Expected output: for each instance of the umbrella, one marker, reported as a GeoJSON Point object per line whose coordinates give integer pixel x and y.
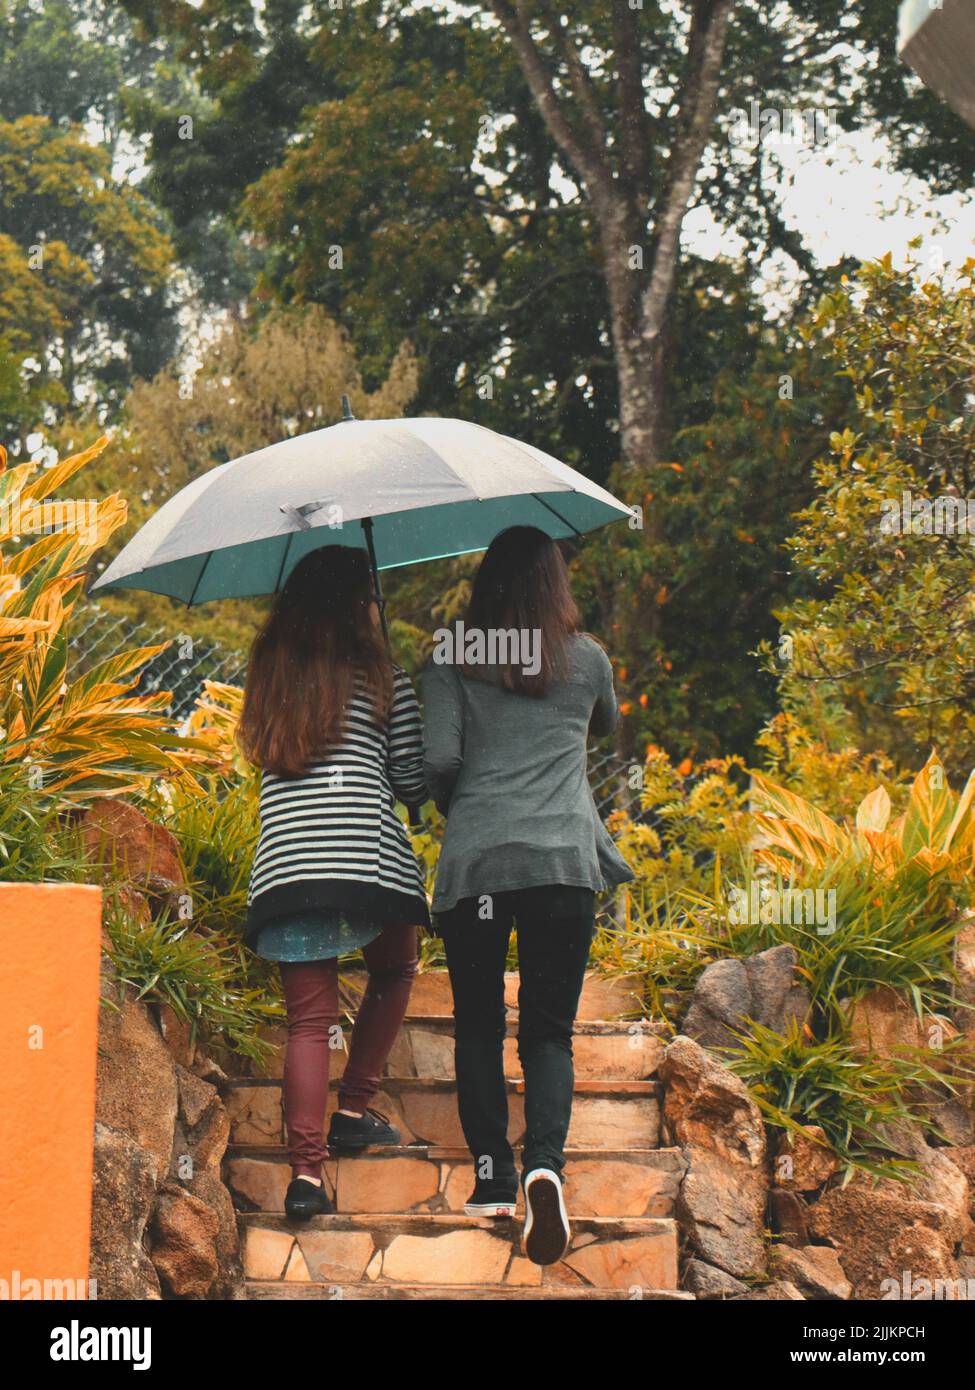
{"type": "Point", "coordinates": [404, 490]}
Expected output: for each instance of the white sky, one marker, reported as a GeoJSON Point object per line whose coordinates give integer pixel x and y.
{"type": "Point", "coordinates": [846, 199]}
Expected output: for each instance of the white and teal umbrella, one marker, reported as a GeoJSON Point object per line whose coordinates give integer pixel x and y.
{"type": "Point", "coordinates": [404, 490]}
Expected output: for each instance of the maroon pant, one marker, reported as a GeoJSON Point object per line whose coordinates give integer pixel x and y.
{"type": "Point", "coordinates": [311, 994]}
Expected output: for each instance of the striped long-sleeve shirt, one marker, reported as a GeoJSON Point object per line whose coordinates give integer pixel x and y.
{"type": "Point", "coordinates": [331, 838]}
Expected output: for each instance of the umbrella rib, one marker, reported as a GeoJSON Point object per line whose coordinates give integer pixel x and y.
{"type": "Point", "coordinates": [284, 561]}
{"type": "Point", "coordinates": [199, 578]}
{"type": "Point", "coordinates": [564, 520]}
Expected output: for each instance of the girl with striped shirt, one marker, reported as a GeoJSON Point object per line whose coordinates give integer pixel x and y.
{"type": "Point", "coordinates": [335, 728]}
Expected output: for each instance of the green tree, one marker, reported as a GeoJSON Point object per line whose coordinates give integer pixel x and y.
{"type": "Point", "coordinates": [882, 653]}
{"type": "Point", "coordinates": [83, 271]}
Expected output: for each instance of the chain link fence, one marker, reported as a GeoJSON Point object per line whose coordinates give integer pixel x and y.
{"type": "Point", "coordinates": [182, 668]}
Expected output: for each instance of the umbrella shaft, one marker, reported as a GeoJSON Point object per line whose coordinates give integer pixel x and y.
{"type": "Point", "coordinates": [377, 582]}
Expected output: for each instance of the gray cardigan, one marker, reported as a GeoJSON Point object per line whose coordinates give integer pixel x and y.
{"type": "Point", "coordinates": [509, 772]}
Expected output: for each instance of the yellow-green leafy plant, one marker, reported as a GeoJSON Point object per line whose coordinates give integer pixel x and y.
{"type": "Point", "coordinates": [935, 835]}
{"type": "Point", "coordinates": [72, 738]}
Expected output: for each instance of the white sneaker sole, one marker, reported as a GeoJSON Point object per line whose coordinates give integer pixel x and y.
{"type": "Point", "coordinates": [504, 1210]}
{"type": "Point", "coordinates": [546, 1234]}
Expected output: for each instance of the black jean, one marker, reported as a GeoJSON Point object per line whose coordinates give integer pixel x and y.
{"type": "Point", "coordinates": [555, 929]}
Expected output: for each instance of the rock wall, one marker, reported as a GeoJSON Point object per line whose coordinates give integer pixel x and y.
{"type": "Point", "coordinates": [163, 1224]}
{"type": "Point", "coordinates": [774, 1221]}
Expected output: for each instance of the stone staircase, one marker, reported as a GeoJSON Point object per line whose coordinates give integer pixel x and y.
{"type": "Point", "coordinates": [400, 1231]}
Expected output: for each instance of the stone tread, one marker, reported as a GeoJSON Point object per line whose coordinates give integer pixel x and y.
{"type": "Point", "coordinates": [583, 1027]}
{"type": "Point", "coordinates": [415, 1225]}
{"type": "Point", "coordinates": [587, 1086]}
{"type": "Point", "coordinates": [391, 1293]}
{"type": "Point", "coordinates": [665, 1157]}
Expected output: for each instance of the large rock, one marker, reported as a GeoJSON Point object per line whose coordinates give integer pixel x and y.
{"type": "Point", "coordinates": [123, 1193]}
{"type": "Point", "coordinates": [780, 1291]}
{"type": "Point", "coordinates": [707, 1282]}
{"type": "Point", "coordinates": [814, 1269]}
{"type": "Point", "coordinates": [883, 1023]}
{"type": "Point", "coordinates": [208, 1188]}
{"type": "Point", "coordinates": [787, 1212]}
{"type": "Point", "coordinates": [965, 967]}
{"type": "Point", "coordinates": [939, 1181]}
{"type": "Point", "coordinates": [731, 991]}
{"type": "Point", "coordinates": [891, 1236]}
{"type": "Point", "coordinates": [136, 1080]}
{"type": "Point", "coordinates": [710, 1114]}
{"type": "Point", "coordinates": [963, 1157]}
{"type": "Point", "coordinates": [117, 836]}
{"type": "Point", "coordinates": [184, 1243]}
{"type": "Point", "coordinates": [804, 1162]}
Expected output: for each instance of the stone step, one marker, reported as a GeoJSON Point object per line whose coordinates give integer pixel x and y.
{"type": "Point", "coordinates": [605, 1114]}
{"type": "Point", "coordinates": [411, 1180]}
{"type": "Point", "coordinates": [393, 1293]}
{"type": "Point", "coordinates": [636, 1254]}
{"type": "Point", "coordinates": [603, 996]}
{"type": "Point", "coordinates": [425, 1048]}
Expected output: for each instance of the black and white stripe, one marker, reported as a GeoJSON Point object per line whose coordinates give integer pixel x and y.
{"type": "Point", "coordinates": [338, 820]}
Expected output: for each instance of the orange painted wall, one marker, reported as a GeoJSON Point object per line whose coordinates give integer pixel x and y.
{"type": "Point", "coordinates": [50, 945]}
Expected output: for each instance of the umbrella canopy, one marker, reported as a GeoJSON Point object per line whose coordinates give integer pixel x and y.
{"type": "Point", "coordinates": [405, 490]}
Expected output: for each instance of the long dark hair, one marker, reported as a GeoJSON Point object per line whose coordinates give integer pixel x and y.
{"type": "Point", "coordinates": [305, 663]}
{"type": "Point", "coordinates": [523, 583]}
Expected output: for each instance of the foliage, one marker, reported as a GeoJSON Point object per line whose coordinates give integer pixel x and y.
{"type": "Point", "coordinates": [691, 818]}
{"type": "Point", "coordinates": [881, 656]}
{"type": "Point", "coordinates": [796, 1081]}
{"type": "Point", "coordinates": [197, 974]}
{"type": "Point", "coordinates": [255, 381]}
{"type": "Point", "coordinates": [35, 845]}
{"type": "Point", "coordinates": [83, 270]}
{"type": "Point", "coordinates": [835, 779]}
{"type": "Point", "coordinates": [217, 835]}
{"type": "Point", "coordinates": [934, 836]}
{"type": "Point", "coordinates": [95, 733]}
{"type": "Point", "coordinates": [897, 934]}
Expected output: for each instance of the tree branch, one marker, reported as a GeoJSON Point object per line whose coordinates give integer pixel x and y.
{"type": "Point", "coordinates": [589, 161]}
{"type": "Point", "coordinates": [699, 87]}
{"type": "Point", "coordinates": [634, 126]}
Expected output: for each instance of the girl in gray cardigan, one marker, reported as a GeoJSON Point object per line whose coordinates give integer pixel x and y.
{"type": "Point", "coordinates": [510, 698]}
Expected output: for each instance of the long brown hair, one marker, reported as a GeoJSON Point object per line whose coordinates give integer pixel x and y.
{"type": "Point", "coordinates": [523, 583]}
{"type": "Point", "coordinates": [318, 642]}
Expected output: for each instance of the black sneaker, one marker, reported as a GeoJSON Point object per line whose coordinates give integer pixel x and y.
{"type": "Point", "coordinates": [493, 1197]}
{"type": "Point", "coordinates": [546, 1219]}
{"type": "Point", "coordinates": [350, 1134]}
{"type": "Point", "coordinates": [303, 1200]}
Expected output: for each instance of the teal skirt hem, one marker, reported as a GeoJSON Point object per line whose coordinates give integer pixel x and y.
{"type": "Point", "coordinates": [314, 935]}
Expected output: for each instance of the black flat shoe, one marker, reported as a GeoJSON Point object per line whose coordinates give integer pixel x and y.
{"type": "Point", "coordinates": [303, 1200]}
{"type": "Point", "coordinates": [494, 1197]}
{"type": "Point", "coordinates": [350, 1134]}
